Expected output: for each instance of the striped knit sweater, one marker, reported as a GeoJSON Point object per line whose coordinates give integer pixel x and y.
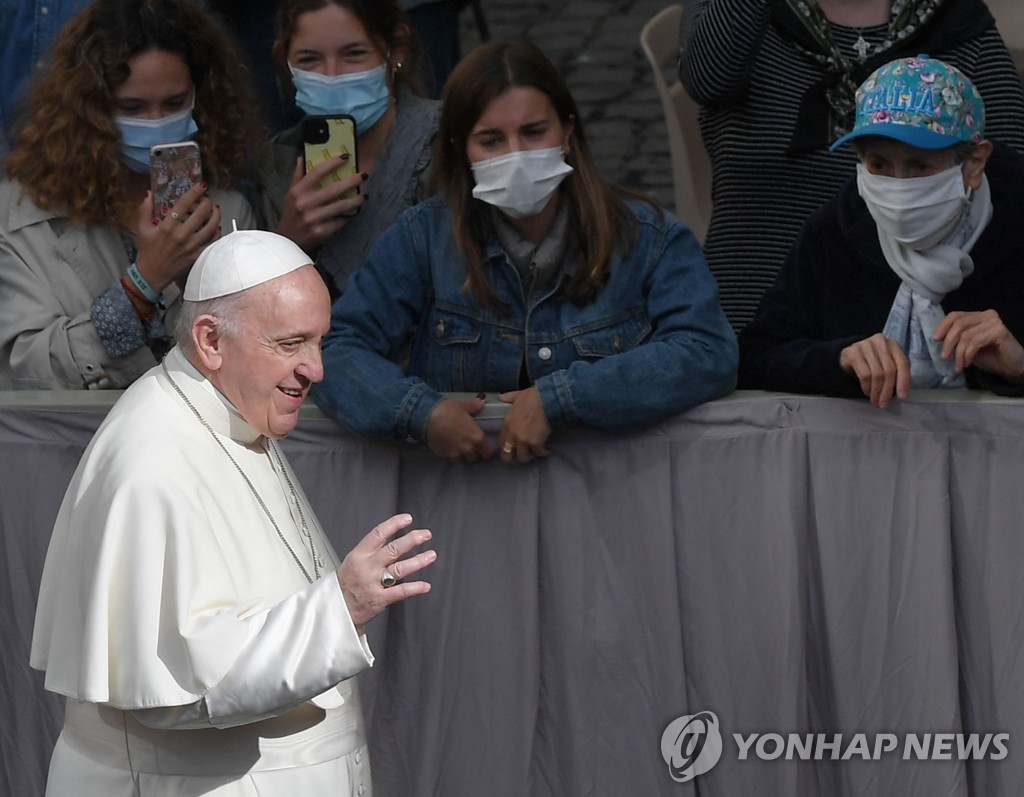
{"type": "Point", "coordinates": [749, 81]}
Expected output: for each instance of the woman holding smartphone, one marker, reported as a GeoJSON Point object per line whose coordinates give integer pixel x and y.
{"type": "Point", "coordinates": [351, 57]}
{"type": "Point", "coordinates": [575, 300]}
{"type": "Point", "coordinates": [88, 272]}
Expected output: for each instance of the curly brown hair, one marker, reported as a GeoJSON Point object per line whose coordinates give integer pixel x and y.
{"type": "Point", "coordinates": [68, 151]}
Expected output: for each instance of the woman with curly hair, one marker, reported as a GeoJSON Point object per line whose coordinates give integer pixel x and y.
{"type": "Point", "coordinates": [355, 57]}
{"type": "Point", "coordinates": [575, 300]}
{"type": "Point", "coordinates": [88, 275]}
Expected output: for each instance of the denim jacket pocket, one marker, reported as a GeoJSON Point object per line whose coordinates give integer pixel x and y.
{"type": "Point", "coordinates": [448, 327]}
{"type": "Point", "coordinates": [613, 335]}
{"type": "Point", "coordinates": [452, 341]}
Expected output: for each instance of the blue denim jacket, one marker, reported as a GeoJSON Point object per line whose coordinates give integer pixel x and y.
{"type": "Point", "coordinates": [652, 343]}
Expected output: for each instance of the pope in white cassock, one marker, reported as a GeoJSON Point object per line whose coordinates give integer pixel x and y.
{"type": "Point", "coordinates": [192, 610]}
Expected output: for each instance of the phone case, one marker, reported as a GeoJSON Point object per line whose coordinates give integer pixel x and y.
{"type": "Point", "coordinates": [173, 170]}
{"type": "Point", "coordinates": [326, 137]}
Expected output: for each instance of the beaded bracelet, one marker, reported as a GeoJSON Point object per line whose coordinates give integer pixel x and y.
{"type": "Point", "coordinates": [140, 282]}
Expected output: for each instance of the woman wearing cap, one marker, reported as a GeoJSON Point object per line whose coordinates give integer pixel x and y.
{"type": "Point", "coordinates": [86, 273]}
{"type": "Point", "coordinates": [913, 275]}
{"type": "Point", "coordinates": [776, 82]}
{"type": "Point", "coordinates": [531, 277]}
{"type": "Point", "coordinates": [355, 57]}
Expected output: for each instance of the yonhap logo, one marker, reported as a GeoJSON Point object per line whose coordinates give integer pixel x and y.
{"type": "Point", "coordinates": [691, 745]}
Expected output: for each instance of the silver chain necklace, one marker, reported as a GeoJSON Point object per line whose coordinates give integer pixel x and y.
{"type": "Point", "coordinates": [317, 561]}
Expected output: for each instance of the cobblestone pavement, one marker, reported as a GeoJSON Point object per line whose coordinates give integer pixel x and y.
{"type": "Point", "coordinates": [596, 46]}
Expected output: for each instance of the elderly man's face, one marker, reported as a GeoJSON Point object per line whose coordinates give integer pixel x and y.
{"type": "Point", "coordinates": [267, 370]}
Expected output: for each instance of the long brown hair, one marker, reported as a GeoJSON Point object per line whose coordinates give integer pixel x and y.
{"type": "Point", "coordinates": [599, 219]}
{"type": "Point", "coordinates": [68, 152]}
{"type": "Point", "coordinates": [386, 24]}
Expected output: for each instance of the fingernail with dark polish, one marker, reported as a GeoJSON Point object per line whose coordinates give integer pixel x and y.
{"type": "Point", "coordinates": [481, 395]}
{"type": "Point", "coordinates": [156, 222]}
{"type": "Point", "coordinates": [365, 176]}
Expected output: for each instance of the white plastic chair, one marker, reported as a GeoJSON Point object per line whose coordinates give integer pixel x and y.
{"type": "Point", "coordinates": [691, 168]}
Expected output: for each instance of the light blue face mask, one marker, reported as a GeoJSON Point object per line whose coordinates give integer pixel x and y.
{"type": "Point", "coordinates": [138, 135]}
{"type": "Point", "coordinates": [362, 95]}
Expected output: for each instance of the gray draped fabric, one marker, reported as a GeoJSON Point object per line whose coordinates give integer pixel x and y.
{"type": "Point", "coordinates": [793, 564]}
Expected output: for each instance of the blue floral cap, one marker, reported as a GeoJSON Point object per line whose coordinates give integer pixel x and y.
{"type": "Point", "coordinates": [920, 101]}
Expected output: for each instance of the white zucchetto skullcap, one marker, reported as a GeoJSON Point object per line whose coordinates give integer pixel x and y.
{"type": "Point", "coordinates": [240, 260]}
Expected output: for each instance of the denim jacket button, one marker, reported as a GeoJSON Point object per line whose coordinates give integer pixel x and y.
{"type": "Point", "coordinates": [544, 353]}
{"type": "Point", "coordinates": [439, 329]}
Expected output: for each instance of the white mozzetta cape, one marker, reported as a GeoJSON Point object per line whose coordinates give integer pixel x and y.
{"type": "Point", "coordinates": [165, 584]}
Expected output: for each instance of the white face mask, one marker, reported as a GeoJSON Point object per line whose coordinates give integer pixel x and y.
{"type": "Point", "coordinates": [520, 183]}
{"type": "Point", "coordinates": [918, 212]}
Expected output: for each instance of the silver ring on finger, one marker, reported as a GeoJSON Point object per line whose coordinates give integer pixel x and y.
{"type": "Point", "coordinates": [387, 578]}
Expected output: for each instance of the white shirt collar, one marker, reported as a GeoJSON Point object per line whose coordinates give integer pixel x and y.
{"type": "Point", "coordinates": [213, 405]}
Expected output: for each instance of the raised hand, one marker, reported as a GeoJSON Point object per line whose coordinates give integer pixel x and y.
{"type": "Point", "coordinates": [312, 214]}
{"type": "Point", "coordinates": [361, 575]}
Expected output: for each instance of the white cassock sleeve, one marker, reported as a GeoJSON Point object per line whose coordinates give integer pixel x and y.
{"type": "Point", "coordinates": [294, 649]}
{"type": "Point", "coordinates": [168, 593]}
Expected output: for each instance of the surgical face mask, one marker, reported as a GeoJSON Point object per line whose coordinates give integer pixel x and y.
{"type": "Point", "coordinates": [918, 212]}
{"type": "Point", "coordinates": [362, 95]}
{"type": "Point", "coordinates": [520, 183]}
{"type": "Point", "coordinates": [138, 135]}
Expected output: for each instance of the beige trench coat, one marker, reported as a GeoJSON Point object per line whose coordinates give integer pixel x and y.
{"type": "Point", "coordinates": [51, 271]}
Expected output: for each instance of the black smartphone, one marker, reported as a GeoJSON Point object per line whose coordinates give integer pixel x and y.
{"type": "Point", "coordinates": [325, 137]}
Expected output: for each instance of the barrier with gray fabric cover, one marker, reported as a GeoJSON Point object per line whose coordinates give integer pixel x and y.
{"type": "Point", "coordinates": [793, 564]}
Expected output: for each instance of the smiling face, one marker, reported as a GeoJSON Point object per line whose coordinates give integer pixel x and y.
{"type": "Point", "coordinates": [268, 365]}
{"type": "Point", "coordinates": [332, 41]}
{"type": "Point", "coordinates": [159, 84]}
